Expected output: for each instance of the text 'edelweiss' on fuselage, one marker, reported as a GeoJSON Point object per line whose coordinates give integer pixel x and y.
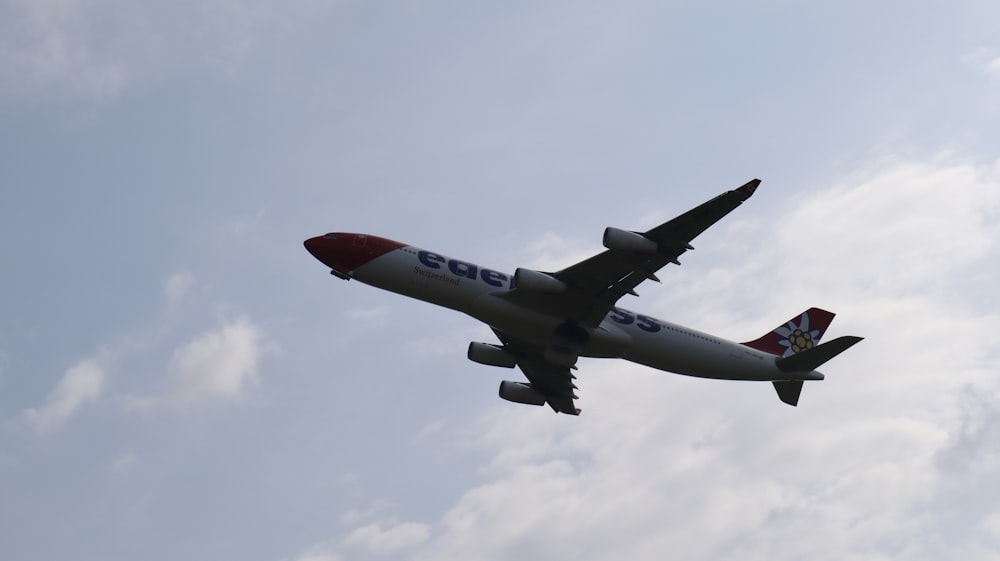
{"type": "Point", "coordinates": [545, 321]}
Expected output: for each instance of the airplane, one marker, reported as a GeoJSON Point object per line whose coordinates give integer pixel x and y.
{"type": "Point", "coordinates": [545, 321]}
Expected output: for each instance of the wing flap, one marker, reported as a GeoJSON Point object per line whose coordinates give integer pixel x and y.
{"type": "Point", "coordinates": [554, 381]}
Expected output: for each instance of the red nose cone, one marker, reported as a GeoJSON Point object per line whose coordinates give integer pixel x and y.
{"type": "Point", "coordinates": [344, 252]}
{"type": "Point", "coordinates": [317, 247]}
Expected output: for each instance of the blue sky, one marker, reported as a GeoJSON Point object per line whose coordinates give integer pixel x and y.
{"type": "Point", "coordinates": [180, 379]}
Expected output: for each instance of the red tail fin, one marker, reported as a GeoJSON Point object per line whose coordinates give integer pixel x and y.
{"type": "Point", "coordinates": [798, 334]}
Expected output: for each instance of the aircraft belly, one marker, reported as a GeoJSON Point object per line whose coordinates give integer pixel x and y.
{"type": "Point", "coordinates": [516, 321]}
{"type": "Point", "coordinates": [607, 341]}
{"type": "Point", "coordinates": [694, 354]}
{"type": "Point", "coordinates": [635, 338]}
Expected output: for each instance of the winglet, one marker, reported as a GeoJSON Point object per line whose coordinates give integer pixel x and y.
{"type": "Point", "coordinates": [748, 188]}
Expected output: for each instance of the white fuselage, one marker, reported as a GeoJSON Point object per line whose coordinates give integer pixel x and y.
{"type": "Point", "coordinates": [479, 291]}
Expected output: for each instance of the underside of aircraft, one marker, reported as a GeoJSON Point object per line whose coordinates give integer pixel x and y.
{"type": "Point", "coordinates": [546, 321]}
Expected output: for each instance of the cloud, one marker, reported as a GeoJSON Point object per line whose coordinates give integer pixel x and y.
{"type": "Point", "coordinates": [176, 287]}
{"type": "Point", "coordinates": [974, 445]}
{"type": "Point", "coordinates": [908, 224]}
{"type": "Point", "coordinates": [318, 552]}
{"type": "Point", "coordinates": [82, 383]}
{"type": "Point", "coordinates": [124, 462]}
{"type": "Point", "coordinates": [993, 67]}
{"type": "Point", "coordinates": [379, 539]}
{"type": "Point", "coordinates": [218, 363]}
{"type": "Point", "coordinates": [48, 44]}
{"type": "Point", "coordinates": [385, 540]}
{"type": "Point", "coordinates": [985, 60]}
{"type": "Point", "coordinates": [355, 516]}
{"type": "Point", "coordinates": [551, 251]}
{"type": "Point", "coordinates": [94, 50]}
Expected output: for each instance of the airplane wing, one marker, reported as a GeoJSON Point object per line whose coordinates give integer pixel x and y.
{"type": "Point", "coordinates": [592, 287]}
{"type": "Point", "coordinates": [554, 381]}
{"type": "Point", "coordinates": [595, 284]}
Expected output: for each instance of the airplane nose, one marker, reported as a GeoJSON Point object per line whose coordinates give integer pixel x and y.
{"type": "Point", "coordinates": [330, 251]}
{"type": "Point", "coordinates": [323, 249]}
{"type": "Point", "coordinates": [345, 252]}
{"type": "Point", "coordinates": [313, 246]}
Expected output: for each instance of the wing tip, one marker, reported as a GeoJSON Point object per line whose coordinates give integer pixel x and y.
{"type": "Point", "coordinates": [748, 188]}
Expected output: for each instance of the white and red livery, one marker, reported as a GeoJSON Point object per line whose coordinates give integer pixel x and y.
{"type": "Point", "coordinates": [545, 321]}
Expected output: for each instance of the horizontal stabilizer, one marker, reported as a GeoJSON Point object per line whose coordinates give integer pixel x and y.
{"type": "Point", "coordinates": [789, 391]}
{"type": "Point", "coordinates": [811, 359]}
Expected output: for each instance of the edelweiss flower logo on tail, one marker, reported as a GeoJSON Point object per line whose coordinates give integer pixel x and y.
{"type": "Point", "coordinates": [797, 338]}
{"type": "Point", "coordinates": [798, 334]}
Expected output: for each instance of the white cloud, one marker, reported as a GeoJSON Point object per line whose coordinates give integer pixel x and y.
{"type": "Point", "coordinates": [908, 223]}
{"type": "Point", "coordinates": [551, 251]}
{"type": "Point", "coordinates": [380, 538]}
{"type": "Point", "coordinates": [355, 516]}
{"type": "Point", "coordinates": [993, 67]}
{"type": "Point", "coordinates": [82, 383]}
{"type": "Point", "coordinates": [47, 44]}
{"type": "Point", "coordinates": [79, 49]}
{"type": "Point", "coordinates": [389, 539]}
{"type": "Point", "coordinates": [318, 552]}
{"type": "Point", "coordinates": [124, 463]}
{"type": "Point", "coordinates": [176, 287]}
{"type": "Point", "coordinates": [219, 363]}
{"type": "Point", "coordinates": [991, 525]}
{"type": "Point", "coordinates": [983, 59]}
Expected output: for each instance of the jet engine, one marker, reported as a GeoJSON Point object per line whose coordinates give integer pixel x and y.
{"type": "Point", "coordinates": [623, 240]}
{"type": "Point", "coordinates": [491, 355]}
{"type": "Point", "coordinates": [535, 281]}
{"type": "Point", "coordinates": [519, 392]}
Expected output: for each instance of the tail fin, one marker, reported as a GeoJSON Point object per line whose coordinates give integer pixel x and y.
{"type": "Point", "coordinates": [796, 343]}
{"type": "Point", "coordinates": [798, 334]}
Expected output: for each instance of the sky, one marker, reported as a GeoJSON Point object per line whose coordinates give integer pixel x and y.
{"type": "Point", "coordinates": [179, 379]}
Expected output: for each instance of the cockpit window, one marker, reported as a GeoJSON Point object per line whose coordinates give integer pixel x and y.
{"type": "Point", "coordinates": [332, 236]}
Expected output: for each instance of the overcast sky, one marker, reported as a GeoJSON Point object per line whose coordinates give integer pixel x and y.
{"type": "Point", "coordinates": [179, 379]}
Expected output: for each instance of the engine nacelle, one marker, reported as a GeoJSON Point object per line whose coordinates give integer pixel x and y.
{"type": "Point", "coordinates": [491, 355]}
{"type": "Point", "coordinates": [519, 392]}
{"type": "Point", "coordinates": [535, 281]}
{"type": "Point", "coordinates": [623, 240]}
